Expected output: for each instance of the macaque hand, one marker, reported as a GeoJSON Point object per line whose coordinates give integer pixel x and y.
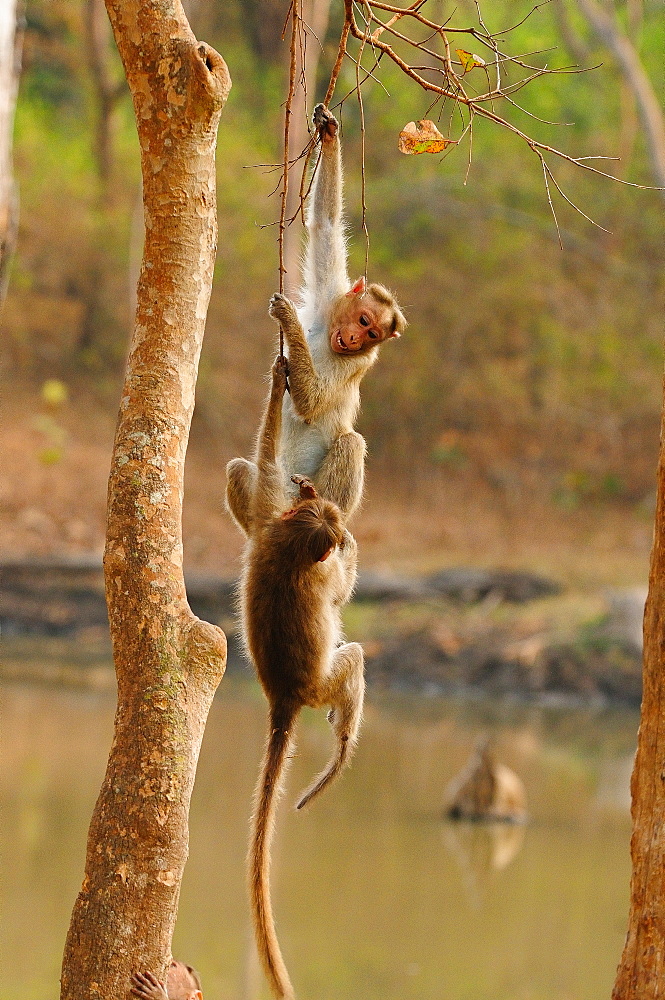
{"type": "Point", "coordinates": [147, 987]}
{"type": "Point", "coordinates": [282, 309]}
{"type": "Point", "coordinates": [325, 123]}
{"type": "Point", "coordinates": [307, 487]}
{"type": "Point", "coordinates": [280, 373]}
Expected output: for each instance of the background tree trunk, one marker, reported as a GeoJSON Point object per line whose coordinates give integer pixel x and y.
{"type": "Point", "coordinates": [11, 36]}
{"type": "Point", "coordinates": [641, 972]}
{"type": "Point", "coordinates": [316, 14]}
{"type": "Point", "coordinates": [108, 91]}
{"type": "Point", "coordinates": [168, 662]}
{"type": "Point", "coordinates": [605, 27]}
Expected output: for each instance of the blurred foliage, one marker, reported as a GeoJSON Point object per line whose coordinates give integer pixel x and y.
{"type": "Point", "coordinates": [523, 363]}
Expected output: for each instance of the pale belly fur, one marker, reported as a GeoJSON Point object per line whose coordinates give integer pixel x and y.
{"type": "Point", "coordinates": [303, 447]}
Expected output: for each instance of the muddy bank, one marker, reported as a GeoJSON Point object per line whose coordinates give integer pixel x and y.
{"type": "Point", "coordinates": [500, 666]}
{"type": "Point", "coordinates": [461, 631]}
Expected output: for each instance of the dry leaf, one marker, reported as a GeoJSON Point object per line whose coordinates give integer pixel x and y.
{"type": "Point", "coordinates": [422, 137]}
{"type": "Point", "coordinates": [469, 60]}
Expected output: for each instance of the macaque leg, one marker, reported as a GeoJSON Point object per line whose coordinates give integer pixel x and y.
{"type": "Point", "coordinates": [240, 486]}
{"type": "Point", "coordinates": [344, 691]}
{"type": "Point", "coordinates": [342, 472]}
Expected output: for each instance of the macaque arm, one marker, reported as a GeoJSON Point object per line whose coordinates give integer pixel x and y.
{"type": "Point", "coordinates": [269, 497]}
{"type": "Point", "coordinates": [304, 382]}
{"type": "Point", "coordinates": [325, 260]}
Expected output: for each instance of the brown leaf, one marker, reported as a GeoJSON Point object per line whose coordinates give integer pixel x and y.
{"type": "Point", "coordinates": [422, 137]}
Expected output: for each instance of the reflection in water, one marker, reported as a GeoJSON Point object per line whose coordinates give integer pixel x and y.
{"type": "Point", "coordinates": [481, 849]}
{"type": "Point", "coordinates": [376, 897]}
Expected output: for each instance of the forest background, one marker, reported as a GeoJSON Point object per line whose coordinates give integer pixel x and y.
{"type": "Point", "coordinates": [514, 424]}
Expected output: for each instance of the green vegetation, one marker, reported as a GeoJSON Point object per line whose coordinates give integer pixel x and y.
{"type": "Point", "coordinates": [525, 367]}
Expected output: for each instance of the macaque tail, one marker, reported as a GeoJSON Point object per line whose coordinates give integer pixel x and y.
{"type": "Point", "coordinates": [263, 821]}
{"type": "Point", "coordinates": [344, 748]}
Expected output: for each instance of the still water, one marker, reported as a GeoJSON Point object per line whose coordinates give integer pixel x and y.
{"type": "Point", "coordinates": [375, 895]}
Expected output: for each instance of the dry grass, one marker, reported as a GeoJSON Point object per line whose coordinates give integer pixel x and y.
{"type": "Point", "coordinates": [409, 523]}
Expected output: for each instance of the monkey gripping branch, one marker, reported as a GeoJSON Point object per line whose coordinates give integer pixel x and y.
{"type": "Point", "coordinates": [168, 662]}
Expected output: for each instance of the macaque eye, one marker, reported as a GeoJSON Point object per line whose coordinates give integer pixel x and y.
{"type": "Point", "coordinates": [373, 335]}
{"type": "Point", "coordinates": [364, 321]}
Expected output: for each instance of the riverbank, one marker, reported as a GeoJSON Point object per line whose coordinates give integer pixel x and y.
{"type": "Point", "coordinates": [462, 631]}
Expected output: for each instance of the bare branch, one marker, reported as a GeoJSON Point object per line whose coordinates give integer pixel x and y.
{"type": "Point", "coordinates": [384, 30]}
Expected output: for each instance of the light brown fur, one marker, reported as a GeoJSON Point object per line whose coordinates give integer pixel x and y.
{"type": "Point", "coordinates": [487, 790]}
{"type": "Point", "coordinates": [299, 569]}
{"type": "Point", "coordinates": [332, 341]}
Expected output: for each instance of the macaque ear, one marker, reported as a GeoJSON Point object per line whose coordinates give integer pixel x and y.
{"type": "Point", "coordinates": [393, 333]}
{"type": "Point", "coordinates": [326, 554]}
{"type": "Point", "coordinates": [357, 289]}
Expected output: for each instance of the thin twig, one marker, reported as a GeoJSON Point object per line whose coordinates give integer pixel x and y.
{"type": "Point", "coordinates": [377, 18]}
{"type": "Point", "coordinates": [285, 165]}
{"type": "Point", "coordinates": [343, 40]}
{"type": "Point", "coordinates": [572, 203]}
{"type": "Point", "coordinates": [363, 188]}
{"type": "Point", "coordinates": [549, 197]}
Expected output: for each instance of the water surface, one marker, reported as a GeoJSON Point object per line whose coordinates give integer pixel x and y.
{"type": "Point", "coordinates": [376, 896]}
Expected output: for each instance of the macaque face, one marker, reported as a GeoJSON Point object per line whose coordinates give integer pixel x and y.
{"type": "Point", "coordinates": [360, 322]}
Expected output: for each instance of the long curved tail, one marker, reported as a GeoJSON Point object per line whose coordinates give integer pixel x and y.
{"type": "Point", "coordinates": [263, 820]}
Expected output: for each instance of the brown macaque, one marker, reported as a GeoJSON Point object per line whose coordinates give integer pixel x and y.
{"type": "Point", "coordinates": [182, 983]}
{"type": "Point", "coordinates": [486, 790]}
{"type": "Point", "coordinates": [332, 340]}
{"type": "Point", "coordinates": [299, 569]}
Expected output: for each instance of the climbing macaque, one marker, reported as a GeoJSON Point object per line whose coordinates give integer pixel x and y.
{"type": "Point", "coordinates": [182, 983]}
{"type": "Point", "coordinates": [299, 569]}
{"type": "Point", "coordinates": [332, 340]}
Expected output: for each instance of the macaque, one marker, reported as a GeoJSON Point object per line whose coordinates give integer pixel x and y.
{"type": "Point", "coordinates": [299, 569]}
{"type": "Point", "coordinates": [182, 983]}
{"type": "Point", "coordinates": [486, 790]}
{"type": "Point", "coordinates": [345, 324]}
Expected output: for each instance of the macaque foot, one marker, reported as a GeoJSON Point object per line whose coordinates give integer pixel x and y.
{"type": "Point", "coordinates": [325, 122]}
{"type": "Point", "coordinates": [307, 487]}
{"type": "Point", "coordinates": [282, 309]}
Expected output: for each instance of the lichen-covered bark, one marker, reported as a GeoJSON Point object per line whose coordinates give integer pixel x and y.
{"type": "Point", "coordinates": [642, 969]}
{"type": "Point", "coordinates": [168, 663]}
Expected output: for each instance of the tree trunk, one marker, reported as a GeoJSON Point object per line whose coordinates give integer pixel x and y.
{"type": "Point", "coordinates": [607, 30]}
{"type": "Point", "coordinates": [168, 662]}
{"type": "Point", "coordinates": [642, 969]}
{"type": "Point", "coordinates": [11, 37]}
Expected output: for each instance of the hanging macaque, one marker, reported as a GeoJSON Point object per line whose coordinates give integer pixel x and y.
{"type": "Point", "coordinates": [299, 569]}
{"type": "Point", "coordinates": [332, 340]}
